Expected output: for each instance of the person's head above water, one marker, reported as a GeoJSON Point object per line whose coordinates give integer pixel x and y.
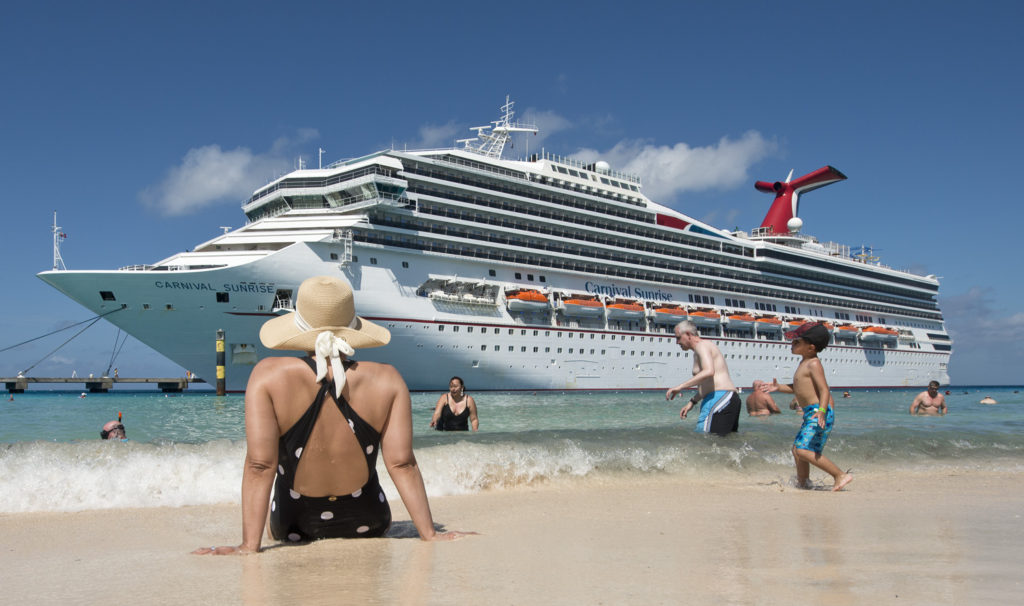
{"type": "Point", "coordinates": [113, 430]}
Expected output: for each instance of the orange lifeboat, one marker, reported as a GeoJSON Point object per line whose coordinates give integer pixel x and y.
{"type": "Point", "coordinates": [668, 313]}
{"type": "Point", "coordinates": [740, 321]}
{"type": "Point", "coordinates": [526, 299]}
{"type": "Point", "coordinates": [625, 309]}
{"type": "Point", "coordinates": [586, 306]}
{"type": "Point", "coordinates": [794, 323]}
{"type": "Point", "coordinates": [847, 332]}
{"type": "Point", "coordinates": [768, 323]}
{"type": "Point", "coordinates": [705, 317]}
{"type": "Point", "coordinates": [878, 334]}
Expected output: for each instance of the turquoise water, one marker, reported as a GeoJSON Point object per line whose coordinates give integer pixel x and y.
{"type": "Point", "coordinates": [188, 448]}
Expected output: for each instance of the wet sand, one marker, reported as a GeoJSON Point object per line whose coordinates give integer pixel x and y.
{"type": "Point", "coordinates": [903, 538]}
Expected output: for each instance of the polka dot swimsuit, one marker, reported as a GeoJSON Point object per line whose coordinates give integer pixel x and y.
{"type": "Point", "coordinates": [295, 517]}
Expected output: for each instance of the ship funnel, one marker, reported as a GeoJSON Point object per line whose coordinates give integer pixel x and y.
{"type": "Point", "coordinates": [787, 195]}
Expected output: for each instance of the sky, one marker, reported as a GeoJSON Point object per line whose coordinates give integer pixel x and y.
{"type": "Point", "coordinates": [145, 126]}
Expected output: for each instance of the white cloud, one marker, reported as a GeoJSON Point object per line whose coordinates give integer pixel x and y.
{"type": "Point", "coordinates": [209, 175]}
{"type": "Point", "coordinates": [435, 136]}
{"type": "Point", "coordinates": [668, 171]}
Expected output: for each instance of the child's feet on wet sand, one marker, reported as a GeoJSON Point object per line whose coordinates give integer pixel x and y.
{"type": "Point", "coordinates": [841, 481]}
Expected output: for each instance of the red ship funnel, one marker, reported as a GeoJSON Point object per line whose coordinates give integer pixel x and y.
{"type": "Point", "coordinates": [787, 196]}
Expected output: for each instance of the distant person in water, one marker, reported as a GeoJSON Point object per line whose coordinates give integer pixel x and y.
{"type": "Point", "coordinates": [455, 411]}
{"type": "Point", "coordinates": [760, 404]}
{"type": "Point", "coordinates": [811, 390]}
{"type": "Point", "coordinates": [846, 394]}
{"type": "Point", "coordinates": [988, 400]}
{"type": "Point", "coordinates": [929, 402]}
{"type": "Point", "coordinates": [720, 405]}
{"type": "Point", "coordinates": [113, 430]}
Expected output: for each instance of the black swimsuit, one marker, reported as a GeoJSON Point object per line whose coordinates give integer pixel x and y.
{"type": "Point", "coordinates": [295, 517]}
{"type": "Point", "coordinates": [449, 421]}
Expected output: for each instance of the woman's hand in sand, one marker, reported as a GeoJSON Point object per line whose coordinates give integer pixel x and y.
{"type": "Point", "coordinates": [223, 550]}
{"type": "Point", "coordinates": [450, 535]}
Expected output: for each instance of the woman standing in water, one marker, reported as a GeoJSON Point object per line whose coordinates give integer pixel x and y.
{"type": "Point", "coordinates": [455, 411]}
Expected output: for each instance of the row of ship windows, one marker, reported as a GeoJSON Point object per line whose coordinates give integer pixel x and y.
{"type": "Point", "coordinates": [788, 260]}
{"type": "Point", "coordinates": [718, 266]}
{"type": "Point", "coordinates": [612, 337]}
{"type": "Point", "coordinates": [610, 270]}
{"type": "Point", "coordinates": [659, 354]}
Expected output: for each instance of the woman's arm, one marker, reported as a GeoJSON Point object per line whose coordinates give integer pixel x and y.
{"type": "Point", "coordinates": [473, 420]}
{"type": "Point", "coordinates": [261, 436]}
{"type": "Point", "coordinates": [437, 410]}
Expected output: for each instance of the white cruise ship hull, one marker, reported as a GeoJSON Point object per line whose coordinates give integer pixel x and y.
{"type": "Point", "coordinates": [174, 312]}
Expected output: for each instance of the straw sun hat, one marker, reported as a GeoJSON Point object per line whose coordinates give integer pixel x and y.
{"type": "Point", "coordinates": [325, 323]}
{"type": "Point", "coordinates": [323, 304]}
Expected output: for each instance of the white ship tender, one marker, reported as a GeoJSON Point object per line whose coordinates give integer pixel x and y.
{"type": "Point", "coordinates": [533, 274]}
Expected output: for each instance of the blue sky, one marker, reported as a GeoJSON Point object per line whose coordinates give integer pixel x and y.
{"type": "Point", "coordinates": [145, 125]}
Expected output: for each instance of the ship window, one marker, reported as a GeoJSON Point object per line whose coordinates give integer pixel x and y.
{"type": "Point", "coordinates": [522, 332]}
{"type": "Point", "coordinates": [483, 329]}
{"type": "Point", "coordinates": [455, 329]}
{"type": "Point", "coordinates": [523, 348]}
{"type": "Point", "coordinates": [355, 259]}
{"type": "Point", "coordinates": [570, 350]}
{"type": "Point", "coordinates": [169, 307]}
{"type": "Point", "coordinates": [440, 327]}
{"type": "Point", "coordinates": [547, 349]}
{"type": "Point", "coordinates": [519, 276]}
{"type": "Point", "coordinates": [145, 306]}
{"type": "Point", "coordinates": [510, 331]}
{"type": "Point", "coordinates": [373, 260]}
{"type": "Point", "coordinates": [106, 295]}
{"type": "Point", "coordinates": [529, 277]}
{"type": "Point", "coordinates": [405, 264]}
{"type": "Point", "coordinates": [510, 348]}
{"type": "Point", "coordinates": [222, 297]}
{"type": "Point", "coordinates": [543, 279]}
{"type": "Point", "coordinates": [559, 350]}
{"type": "Point", "coordinates": [469, 329]}
{"type": "Point", "coordinates": [535, 349]}
{"type": "Point", "coordinates": [491, 272]}
{"type": "Point", "coordinates": [334, 256]}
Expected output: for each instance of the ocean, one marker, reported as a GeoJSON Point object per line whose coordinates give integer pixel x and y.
{"type": "Point", "coordinates": [187, 449]}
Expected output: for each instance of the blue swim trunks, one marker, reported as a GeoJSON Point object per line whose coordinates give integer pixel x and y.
{"type": "Point", "coordinates": [719, 413]}
{"type": "Point", "coordinates": [812, 437]}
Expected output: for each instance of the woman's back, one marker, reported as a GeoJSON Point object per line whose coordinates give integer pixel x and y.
{"type": "Point", "coordinates": [333, 461]}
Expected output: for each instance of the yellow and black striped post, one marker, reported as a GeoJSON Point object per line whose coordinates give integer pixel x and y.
{"type": "Point", "coordinates": [220, 362]}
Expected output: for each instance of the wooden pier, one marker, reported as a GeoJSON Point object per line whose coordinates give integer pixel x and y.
{"type": "Point", "coordinates": [101, 384]}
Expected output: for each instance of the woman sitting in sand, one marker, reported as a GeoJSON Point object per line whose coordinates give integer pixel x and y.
{"type": "Point", "coordinates": [455, 411]}
{"type": "Point", "coordinates": [321, 459]}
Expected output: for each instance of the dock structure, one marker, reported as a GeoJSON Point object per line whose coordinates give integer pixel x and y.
{"type": "Point", "coordinates": [101, 384]}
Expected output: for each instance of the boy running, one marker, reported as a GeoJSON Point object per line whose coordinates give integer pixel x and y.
{"type": "Point", "coordinates": [812, 394]}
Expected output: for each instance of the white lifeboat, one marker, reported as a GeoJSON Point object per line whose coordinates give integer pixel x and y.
{"type": "Point", "coordinates": [768, 323]}
{"type": "Point", "coordinates": [740, 321]}
{"type": "Point", "coordinates": [846, 332]}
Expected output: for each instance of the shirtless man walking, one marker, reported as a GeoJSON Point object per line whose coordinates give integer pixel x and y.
{"type": "Point", "coordinates": [720, 405]}
{"type": "Point", "coordinates": [929, 402]}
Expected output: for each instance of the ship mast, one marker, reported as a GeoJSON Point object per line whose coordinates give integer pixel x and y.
{"type": "Point", "coordinates": [58, 237]}
{"type": "Point", "coordinates": [492, 144]}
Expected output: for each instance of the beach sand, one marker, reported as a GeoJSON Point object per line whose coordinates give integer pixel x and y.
{"type": "Point", "coordinates": [905, 538]}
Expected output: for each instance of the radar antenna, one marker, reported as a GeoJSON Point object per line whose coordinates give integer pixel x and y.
{"type": "Point", "coordinates": [58, 237]}
{"type": "Point", "coordinates": [492, 144]}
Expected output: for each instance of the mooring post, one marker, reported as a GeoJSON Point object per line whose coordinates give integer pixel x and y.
{"type": "Point", "coordinates": [220, 362]}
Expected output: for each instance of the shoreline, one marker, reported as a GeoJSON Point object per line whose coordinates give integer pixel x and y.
{"type": "Point", "coordinates": [935, 537]}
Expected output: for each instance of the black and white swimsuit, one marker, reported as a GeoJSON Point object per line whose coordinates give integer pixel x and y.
{"type": "Point", "coordinates": [295, 517]}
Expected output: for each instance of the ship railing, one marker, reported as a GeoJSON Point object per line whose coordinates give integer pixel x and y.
{"type": "Point", "coordinates": [584, 166]}
{"type": "Point", "coordinates": [136, 268]}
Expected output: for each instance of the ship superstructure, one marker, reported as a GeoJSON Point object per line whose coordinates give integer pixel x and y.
{"type": "Point", "coordinates": [539, 273]}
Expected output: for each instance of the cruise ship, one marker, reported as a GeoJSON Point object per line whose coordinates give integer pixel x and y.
{"type": "Point", "coordinates": [537, 273]}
